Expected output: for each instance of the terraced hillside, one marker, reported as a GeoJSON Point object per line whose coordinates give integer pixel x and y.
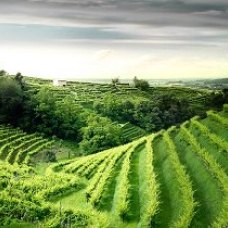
{"type": "Point", "coordinates": [86, 93]}
{"type": "Point", "coordinates": [174, 178]}
{"type": "Point", "coordinates": [132, 132]}
{"type": "Point", "coordinates": [17, 146]}
{"type": "Point", "coordinates": [141, 112]}
{"type": "Point", "coordinates": [25, 199]}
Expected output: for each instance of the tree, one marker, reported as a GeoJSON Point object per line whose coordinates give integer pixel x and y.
{"type": "Point", "coordinates": [99, 134]}
{"type": "Point", "coordinates": [19, 78]}
{"type": "Point", "coordinates": [11, 100]}
{"type": "Point", "coordinates": [45, 105]}
{"type": "Point", "coordinates": [98, 106]}
{"type": "Point", "coordinates": [225, 95]}
{"type": "Point", "coordinates": [112, 107]}
{"type": "Point", "coordinates": [63, 119]}
{"type": "Point", "coordinates": [115, 108]}
{"type": "Point", "coordinates": [115, 81]}
{"type": "Point", "coordinates": [127, 111]}
{"type": "Point", "coordinates": [217, 99]}
{"type": "Point", "coordinates": [148, 116]}
{"type": "Point", "coordinates": [3, 73]}
{"type": "Point", "coordinates": [71, 118]}
{"type": "Point", "coordinates": [141, 84]}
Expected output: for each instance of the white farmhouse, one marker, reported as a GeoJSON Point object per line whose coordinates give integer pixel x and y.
{"type": "Point", "coordinates": [57, 82]}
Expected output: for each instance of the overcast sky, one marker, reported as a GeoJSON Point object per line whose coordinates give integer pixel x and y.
{"type": "Point", "coordinates": [109, 38]}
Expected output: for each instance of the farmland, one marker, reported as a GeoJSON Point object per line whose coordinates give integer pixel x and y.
{"type": "Point", "coordinates": [122, 108]}
{"type": "Point", "coordinates": [18, 147]}
{"type": "Point", "coordinates": [113, 114]}
{"type": "Point", "coordinates": [172, 178]}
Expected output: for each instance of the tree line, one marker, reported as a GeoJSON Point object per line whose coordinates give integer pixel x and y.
{"type": "Point", "coordinates": [159, 112]}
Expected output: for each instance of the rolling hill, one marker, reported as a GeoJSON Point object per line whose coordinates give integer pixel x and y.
{"type": "Point", "coordinates": [173, 178]}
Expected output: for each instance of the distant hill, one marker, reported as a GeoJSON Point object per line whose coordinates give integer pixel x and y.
{"type": "Point", "coordinates": [218, 81]}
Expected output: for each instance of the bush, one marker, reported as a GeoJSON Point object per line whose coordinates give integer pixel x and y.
{"type": "Point", "coordinates": [141, 84]}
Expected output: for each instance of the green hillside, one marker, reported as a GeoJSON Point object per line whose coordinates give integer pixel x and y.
{"type": "Point", "coordinates": [17, 146]}
{"type": "Point", "coordinates": [174, 178]}
{"type": "Point", "coordinates": [94, 116]}
{"type": "Point", "coordinates": [87, 93]}
{"type": "Point", "coordinates": [122, 104]}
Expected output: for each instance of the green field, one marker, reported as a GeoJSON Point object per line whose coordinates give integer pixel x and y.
{"type": "Point", "coordinates": [173, 178]}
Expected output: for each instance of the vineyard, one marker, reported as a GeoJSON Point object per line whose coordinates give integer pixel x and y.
{"type": "Point", "coordinates": [173, 178]}
{"type": "Point", "coordinates": [18, 147]}
{"type": "Point", "coordinates": [132, 132]}
{"type": "Point", "coordinates": [134, 112]}
{"type": "Point", "coordinates": [86, 93]}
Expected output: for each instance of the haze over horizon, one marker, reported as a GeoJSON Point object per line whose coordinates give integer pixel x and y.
{"type": "Point", "coordinates": [76, 39]}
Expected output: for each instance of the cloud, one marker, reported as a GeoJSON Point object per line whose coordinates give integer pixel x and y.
{"type": "Point", "coordinates": [106, 28]}
{"type": "Point", "coordinates": [104, 54]}
{"type": "Point", "coordinates": [143, 12]}
{"type": "Point", "coordinates": [210, 13]}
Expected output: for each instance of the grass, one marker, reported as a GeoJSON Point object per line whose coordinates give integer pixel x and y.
{"type": "Point", "coordinates": [105, 203]}
{"type": "Point", "coordinates": [216, 128]}
{"type": "Point", "coordinates": [166, 180]}
{"type": "Point", "coordinates": [73, 200]}
{"type": "Point", "coordinates": [206, 188]}
{"type": "Point", "coordinates": [41, 168]}
{"type": "Point", "coordinates": [20, 224]}
{"type": "Point", "coordinates": [134, 203]}
{"type": "Point", "coordinates": [217, 152]}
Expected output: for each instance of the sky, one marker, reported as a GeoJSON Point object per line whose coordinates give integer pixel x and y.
{"type": "Point", "coordinates": [76, 39]}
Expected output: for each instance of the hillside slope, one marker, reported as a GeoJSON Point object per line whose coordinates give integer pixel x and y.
{"type": "Point", "coordinates": [17, 146]}
{"type": "Point", "coordinates": [175, 178]}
